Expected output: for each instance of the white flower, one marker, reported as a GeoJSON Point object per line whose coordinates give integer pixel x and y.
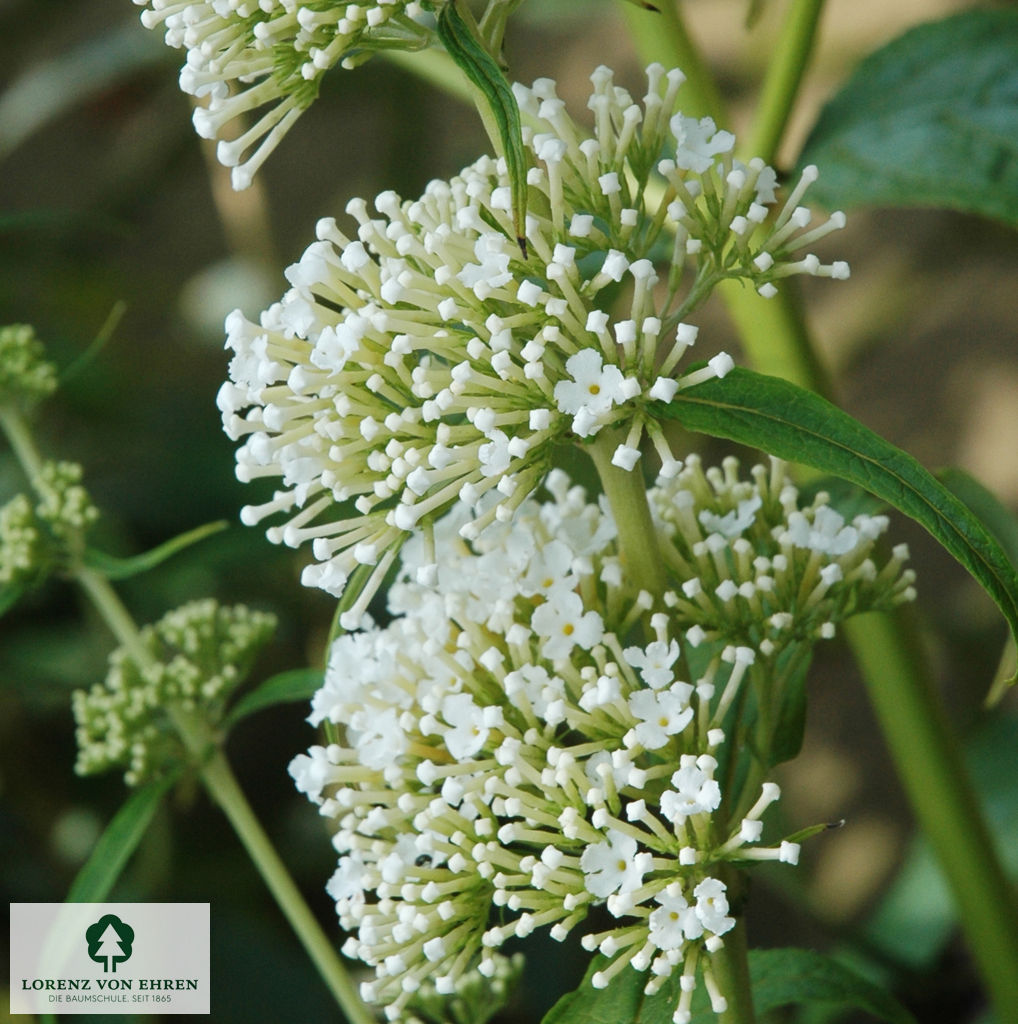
{"type": "Point", "coordinates": [712, 906]}
{"type": "Point", "coordinates": [654, 662]}
{"type": "Point", "coordinates": [673, 922]}
{"type": "Point", "coordinates": [698, 142]}
{"type": "Point", "coordinates": [565, 623]}
{"type": "Point", "coordinates": [614, 866]}
{"type": "Point", "coordinates": [423, 360]}
{"type": "Point", "coordinates": [269, 56]}
{"type": "Point", "coordinates": [661, 714]}
{"type": "Point", "coordinates": [594, 389]}
{"type": "Point", "coordinates": [695, 790]}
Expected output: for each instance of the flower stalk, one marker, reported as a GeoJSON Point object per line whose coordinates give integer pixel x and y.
{"type": "Point", "coordinates": [777, 341]}
{"type": "Point", "coordinates": [215, 771]}
{"type": "Point", "coordinates": [627, 496]}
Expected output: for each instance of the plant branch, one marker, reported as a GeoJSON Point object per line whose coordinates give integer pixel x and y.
{"type": "Point", "coordinates": [777, 341]}
{"type": "Point", "coordinates": [785, 69]}
{"type": "Point", "coordinates": [627, 496]}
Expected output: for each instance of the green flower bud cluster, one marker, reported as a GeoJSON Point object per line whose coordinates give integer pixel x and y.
{"type": "Point", "coordinates": [476, 999]}
{"type": "Point", "coordinates": [188, 663]}
{"type": "Point", "coordinates": [21, 543]}
{"type": "Point", "coordinates": [35, 540]}
{"type": "Point", "coordinates": [65, 507]}
{"type": "Point", "coordinates": [25, 376]}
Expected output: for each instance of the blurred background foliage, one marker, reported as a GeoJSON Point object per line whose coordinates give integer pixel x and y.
{"type": "Point", "coordinates": [107, 196]}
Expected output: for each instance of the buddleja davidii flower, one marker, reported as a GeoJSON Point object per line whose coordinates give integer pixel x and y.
{"type": "Point", "coordinates": [753, 563]}
{"type": "Point", "coordinates": [189, 662]}
{"type": "Point", "coordinates": [522, 758]}
{"type": "Point", "coordinates": [268, 57]}
{"type": "Point", "coordinates": [654, 183]}
{"type": "Point", "coordinates": [426, 361]}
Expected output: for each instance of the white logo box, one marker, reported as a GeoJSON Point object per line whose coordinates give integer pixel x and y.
{"type": "Point", "coordinates": [110, 958]}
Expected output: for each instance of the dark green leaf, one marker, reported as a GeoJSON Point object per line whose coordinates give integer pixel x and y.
{"type": "Point", "coordinates": [114, 568]}
{"type": "Point", "coordinates": [790, 727]}
{"type": "Point", "coordinates": [622, 1002]}
{"type": "Point", "coordinates": [285, 688]}
{"type": "Point", "coordinates": [118, 842]}
{"type": "Point", "coordinates": [994, 515]}
{"type": "Point", "coordinates": [931, 119]}
{"type": "Point", "coordinates": [794, 424]}
{"type": "Point", "coordinates": [781, 977]}
{"type": "Point", "coordinates": [10, 595]}
{"type": "Point", "coordinates": [483, 71]}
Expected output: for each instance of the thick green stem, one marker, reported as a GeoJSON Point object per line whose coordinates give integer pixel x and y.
{"type": "Point", "coordinates": [662, 36]}
{"type": "Point", "coordinates": [931, 768]}
{"type": "Point", "coordinates": [785, 68]}
{"type": "Point", "coordinates": [920, 741]}
{"type": "Point", "coordinates": [627, 496]}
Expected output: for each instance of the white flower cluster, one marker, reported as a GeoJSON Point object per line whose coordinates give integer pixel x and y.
{"type": "Point", "coordinates": [427, 361]}
{"type": "Point", "coordinates": [197, 655]}
{"type": "Point", "coordinates": [268, 56]}
{"type": "Point", "coordinates": [534, 735]}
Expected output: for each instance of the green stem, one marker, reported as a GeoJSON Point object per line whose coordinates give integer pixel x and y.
{"type": "Point", "coordinates": [215, 770]}
{"type": "Point", "coordinates": [627, 496]}
{"type": "Point", "coordinates": [930, 765]}
{"type": "Point", "coordinates": [662, 36]}
{"type": "Point", "coordinates": [785, 68]}
{"type": "Point", "coordinates": [223, 787]}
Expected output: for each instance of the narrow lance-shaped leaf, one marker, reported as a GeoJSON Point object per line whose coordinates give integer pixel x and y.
{"type": "Point", "coordinates": [931, 119]}
{"type": "Point", "coordinates": [299, 684]}
{"type": "Point", "coordinates": [794, 424]}
{"type": "Point", "coordinates": [118, 842]}
{"type": "Point", "coordinates": [115, 568]}
{"type": "Point", "coordinates": [483, 71]}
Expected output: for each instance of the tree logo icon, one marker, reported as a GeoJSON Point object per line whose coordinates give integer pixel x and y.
{"type": "Point", "coordinates": [109, 942]}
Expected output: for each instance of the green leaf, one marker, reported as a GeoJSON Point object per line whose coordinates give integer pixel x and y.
{"type": "Point", "coordinates": [621, 1002]}
{"type": "Point", "coordinates": [283, 688]}
{"type": "Point", "coordinates": [799, 426]}
{"type": "Point", "coordinates": [931, 119]}
{"type": "Point", "coordinates": [779, 977]}
{"type": "Point", "coordinates": [994, 515]}
{"type": "Point", "coordinates": [118, 842]}
{"type": "Point", "coordinates": [485, 74]}
{"type": "Point", "coordinates": [799, 976]}
{"type": "Point", "coordinates": [114, 568]}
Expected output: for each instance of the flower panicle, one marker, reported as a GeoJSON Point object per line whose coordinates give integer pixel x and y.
{"type": "Point", "coordinates": [545, 751]}
{"type": "Point", "coordinates": [26, 376]}
{"type": "Point", "coordinates": [265, 58]}
{"type": "Point", "coordinates": [419, 361]}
